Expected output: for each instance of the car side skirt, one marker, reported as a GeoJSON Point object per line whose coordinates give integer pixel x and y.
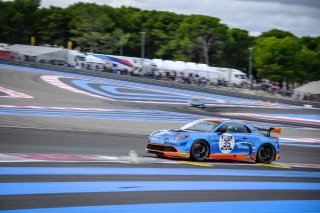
{"type": "Point", "coordinates": [236, 157]}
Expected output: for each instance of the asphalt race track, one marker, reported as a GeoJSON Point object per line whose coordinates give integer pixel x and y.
{"type": "Point", "coordinates": [65, 143]}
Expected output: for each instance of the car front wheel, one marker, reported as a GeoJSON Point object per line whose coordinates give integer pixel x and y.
{"type": "Point", "coordinates": [200, 150]}
{"type": "Point", "coordinates": [266, 154]}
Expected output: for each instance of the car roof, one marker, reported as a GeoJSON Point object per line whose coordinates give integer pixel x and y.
{"type": "Point", "coordinates": [217, 120]}
{"type": "Point", "coordinates": [212, 120]}
{"type": "Point", "coordinates": [240, 122]}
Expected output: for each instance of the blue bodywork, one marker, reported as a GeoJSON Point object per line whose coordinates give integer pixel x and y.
{"type": "Point", "coordinates": [178, 143]}
{"type": "Point", "coordinates": [196, 102]}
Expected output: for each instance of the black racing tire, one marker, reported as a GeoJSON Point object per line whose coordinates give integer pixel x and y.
{"type": "Point", "coordinates": [266, 154]}
{"type": "Point", "coordinates": [160, 156]}
{"type": "Point", "coordinates": [199, 151]}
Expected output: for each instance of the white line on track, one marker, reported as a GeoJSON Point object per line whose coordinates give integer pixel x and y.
{"type": "Point", "coordinates": [13, 94]}
{"type": "Point", "coordinates": [55, 80]}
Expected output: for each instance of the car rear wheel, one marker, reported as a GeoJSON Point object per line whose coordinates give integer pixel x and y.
{"type": "Point", "coordinates": [266, 154]}
{"type": "Point", "coordinates": [200, 150]}
{"type": "Point", "coordinates": [160, 155]}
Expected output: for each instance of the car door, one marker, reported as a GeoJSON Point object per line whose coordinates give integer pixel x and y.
{"type": "Point", "coordinates": [233, 141]}
{"type": "Point", "coordinates": [243, 138]}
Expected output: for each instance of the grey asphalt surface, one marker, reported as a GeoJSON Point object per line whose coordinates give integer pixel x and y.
{"type": "Point", "coordinates": [48, 95]}
{"type": "Point", "coordinates": [116, 198]}
{"type": "Point", "coordinates": [20, 140]}
{"type": "Point", "coordinates": [28, 134]}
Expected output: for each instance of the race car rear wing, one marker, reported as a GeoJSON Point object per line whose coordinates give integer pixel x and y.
{"type": "Point", "coordinates": [269, 130]}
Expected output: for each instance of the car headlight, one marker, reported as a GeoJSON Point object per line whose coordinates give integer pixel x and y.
{"type": "Point", "coordinates": [181, 136]}
{"type": "Point", "coordinates": [155, 132]}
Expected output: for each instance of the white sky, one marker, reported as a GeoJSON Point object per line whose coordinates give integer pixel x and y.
{"type": "Point", "coordinates": [301, 17]}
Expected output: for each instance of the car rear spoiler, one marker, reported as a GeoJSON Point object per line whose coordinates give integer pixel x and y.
{"type": "Point", "coordinates": [269, 130]}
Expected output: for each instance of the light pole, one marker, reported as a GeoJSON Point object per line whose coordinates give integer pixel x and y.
{"type": "Point", "coordinates": [250, 64]}
{"type": "Point", "coordinates": [121, 45]}
{"type": "Point", "coordinates": [142, 47]}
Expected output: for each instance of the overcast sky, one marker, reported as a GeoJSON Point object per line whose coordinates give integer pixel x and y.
{"type": "Point", "coordinates": [301, 17]}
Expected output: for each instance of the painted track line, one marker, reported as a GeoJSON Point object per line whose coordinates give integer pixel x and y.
{"type": "Point", "coordinates": [274, 118]}
{"type": "Point", "coordinates": [274, 206]}
{"type": "Point", "coordinates": [68, 158]}
{"type": "Point", "coordinates": [13, 94]}
{"type": "Point", "coordinates": [24, 188]}
{"type": "Point", "coordinates": [153, 171]}
{"type": "Point", "coordinates": [217, 98]}
{"type": "Point", "coordinates": [114, 114]}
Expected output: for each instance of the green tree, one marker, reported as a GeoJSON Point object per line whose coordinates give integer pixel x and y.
{"type": "Point", "coordinates": [17, 20]}
{"type": "Point", "coordinates": [309, 58]}
{"type": "Point", "coordinates": [91, 27]}
{"type": "Point", "coordinates": [53, 27]}
{"type": "Point", "coordinates": [235, 53]}
{"type": "Point", "coordinates": [276, 59]}
{"type": "Point", "coordinates": [276, 33]}
{"type": "Point", "coordinates": [198, 38]}
{"type": "Point", "coordinates": [203, 39]}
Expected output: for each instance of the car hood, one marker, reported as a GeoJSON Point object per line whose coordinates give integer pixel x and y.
{"type": "Point", "coordinates": [172, 132]}
{"type": "Point", "coordinates": [163, 134]}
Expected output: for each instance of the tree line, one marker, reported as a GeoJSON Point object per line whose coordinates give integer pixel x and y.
{"type": "Point", "coordinates": [277, 55]}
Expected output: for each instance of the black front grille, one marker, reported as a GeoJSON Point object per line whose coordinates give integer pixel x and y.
{"type": "Point", "coordinates": [161, 148]}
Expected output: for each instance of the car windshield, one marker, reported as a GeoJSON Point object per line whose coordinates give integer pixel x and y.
{"type": "Point", "coordinates": [195, 99]}
{"type": "Point", "coordinates": [201, 126]}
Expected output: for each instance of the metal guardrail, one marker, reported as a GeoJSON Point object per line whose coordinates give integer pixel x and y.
{"type": "Point", "coordinates": [207, 89]}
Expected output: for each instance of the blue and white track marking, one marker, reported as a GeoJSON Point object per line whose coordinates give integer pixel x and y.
{"type": "Point", "coordinates": [96, 113]}
{"type": "Point", "coordinates": [143, 93]}
{"type": "Point", "coordinates": [155, 171]}
{"type": "Point", "coordinates": [301, 142]}
{"type": "Point", "coordinates": [132, 115]}
{"type": "Point", "coordinates": [8, 93]}
{"type": "Point", "coordinates": [28, 188]}
{"type": "Point", "coordinates": [146, 93]}
{"type": "Point", "coordinates": [274, 206]}
{"type": "Point", "coordinates": [296, 118]}
{"type": "Point", "coordinates": [60, 158]}
{"type": "Point", "coordinates": [181, 96]}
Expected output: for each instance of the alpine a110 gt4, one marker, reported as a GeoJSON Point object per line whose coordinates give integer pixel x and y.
{"type": "Point", "coordinates": [215, 139]}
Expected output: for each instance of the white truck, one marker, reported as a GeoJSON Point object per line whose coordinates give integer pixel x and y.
{"type": "Point", "coordinates": [233, 77]}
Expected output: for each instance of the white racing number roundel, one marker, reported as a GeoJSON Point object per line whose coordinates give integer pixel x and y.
{"type": "Point", "coordinates": [226, 143]}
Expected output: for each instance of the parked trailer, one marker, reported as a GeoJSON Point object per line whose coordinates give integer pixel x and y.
{"type": "Point", "coordinates": [233, 77]}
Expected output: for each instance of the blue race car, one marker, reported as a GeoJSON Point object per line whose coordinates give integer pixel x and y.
{"type": "Point", "coordinates": [196, 102]}
{"type": "Point", "coordinates": [215, 139]}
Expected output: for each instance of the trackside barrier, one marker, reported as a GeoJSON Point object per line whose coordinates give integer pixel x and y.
{"type": "Point", "coordinates": [206, 89]}
{"type": "Point", "coordinates": [308, 106]}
